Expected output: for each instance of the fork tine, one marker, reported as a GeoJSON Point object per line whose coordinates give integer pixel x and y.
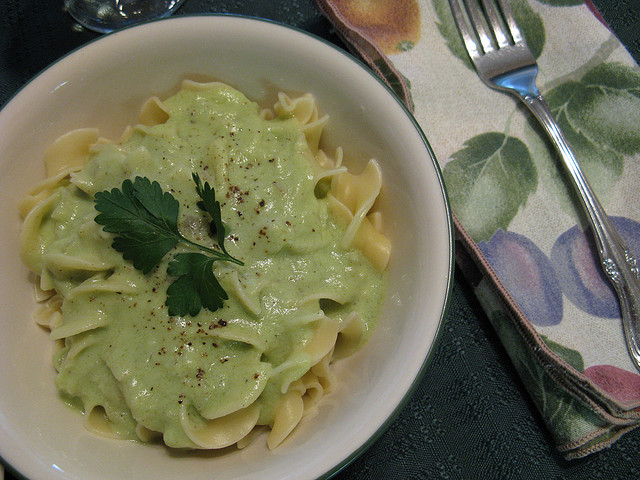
{"type": "Point", "coordinates": [477, 19]}
{"type": "Point", "coordinates": [511, 21]}
{"type": "Point", "coordinates": [496, 25]}
{"type": "Point", "coordinates": [463, 27]}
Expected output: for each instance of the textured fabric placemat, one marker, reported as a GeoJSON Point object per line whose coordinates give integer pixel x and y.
{"type": "Point", "coordinates": [525, 248]}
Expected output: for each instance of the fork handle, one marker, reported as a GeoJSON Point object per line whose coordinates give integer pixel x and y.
{"type": "Point", "coordinates": [617, 261]}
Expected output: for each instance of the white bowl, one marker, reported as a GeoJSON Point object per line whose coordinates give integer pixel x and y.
{"type": "Point", "coordinates": [102, 85]}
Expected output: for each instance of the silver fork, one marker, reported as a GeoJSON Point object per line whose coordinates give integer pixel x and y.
{"type": "Point", "coordinates": [504, 62]}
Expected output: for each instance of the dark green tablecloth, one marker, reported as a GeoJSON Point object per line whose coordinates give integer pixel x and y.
{"type": "Point", "coordinates": [470, 416]}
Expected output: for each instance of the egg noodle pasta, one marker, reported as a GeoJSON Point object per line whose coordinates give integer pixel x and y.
{"type": "Point", "coordinates": [306, 230]}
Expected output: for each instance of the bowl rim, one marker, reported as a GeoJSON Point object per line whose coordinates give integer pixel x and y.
{"type": "Point", "coordinates": [446, 301]}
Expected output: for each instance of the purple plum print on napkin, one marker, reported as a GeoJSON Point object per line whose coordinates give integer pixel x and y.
{"type": "Point", "coordinates": [578, 268]}
{"type": "Point", "coordinates": [528, 275]}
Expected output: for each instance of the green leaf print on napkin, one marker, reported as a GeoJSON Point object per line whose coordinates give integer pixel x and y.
{"type": "Point", "coordinates": [599, 115]}
{"type": "Point", "coordinates": [530, 24]}
{"type": "Point", "coordinates": [569, 355]}
{"type": "Point", "coordinates": [606, 107]}
{"type": "Point", "coordinates": [488, 181]}
{"type": "Point", "coordinates": [528, 20]}
{"type": "Point", "coordinates": [449, 31]}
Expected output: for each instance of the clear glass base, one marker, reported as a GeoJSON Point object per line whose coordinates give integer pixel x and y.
{"type": "Point", "coordinates": [107, 15]}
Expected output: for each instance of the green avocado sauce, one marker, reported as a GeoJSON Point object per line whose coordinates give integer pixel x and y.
{"type": "Point", "coordinates": [122, 349]}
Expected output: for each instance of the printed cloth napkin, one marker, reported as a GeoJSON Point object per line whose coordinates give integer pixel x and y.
{"type": "Point", "coordinates": [520, 235]}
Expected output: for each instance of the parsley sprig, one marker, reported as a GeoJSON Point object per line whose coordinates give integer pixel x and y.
{"type": "Point", "coordinates": [145, 221]}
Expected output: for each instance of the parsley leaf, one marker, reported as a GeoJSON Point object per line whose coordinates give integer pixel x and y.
{"type": "Point", "coordinates": [145, 221]}
{"type": "Point", "coordinates": [212, 207]}
{"type": "Point", "coordinates": [196, 286]}
{"type": "Point", "coordinates": [144, 218]}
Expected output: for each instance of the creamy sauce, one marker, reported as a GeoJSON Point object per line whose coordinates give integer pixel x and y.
{"type": "Point", "coordinates": [146, 367]}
